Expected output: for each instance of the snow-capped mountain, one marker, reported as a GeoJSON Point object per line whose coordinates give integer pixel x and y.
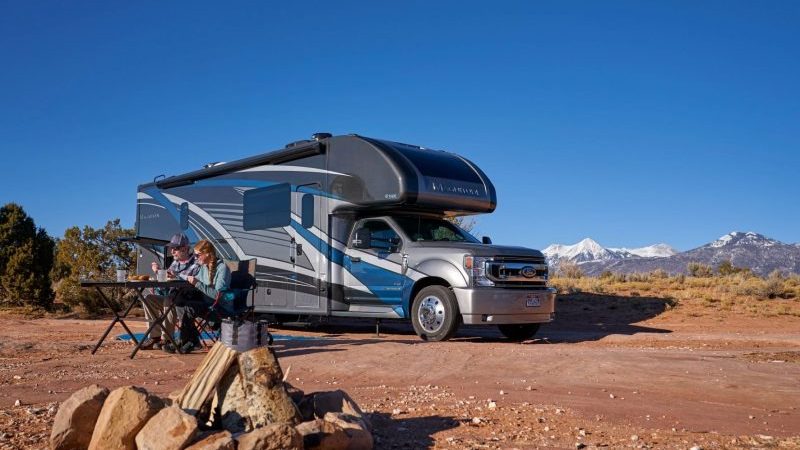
{"type": "Point", "coordinates": [583, 251]}
{"type": "Point", "coordinates": [588, 250]}
{"type": "Point", "coordinates": [751, 250]}
{"type": "Point", "coordinates": [651, 251]}
{"type": "Point", "coordinates": [738, 238]}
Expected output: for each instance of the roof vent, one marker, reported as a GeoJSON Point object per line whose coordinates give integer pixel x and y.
{"type": "Point", "coordinates": [320, 136]}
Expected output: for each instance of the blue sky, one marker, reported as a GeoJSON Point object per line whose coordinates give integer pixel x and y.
{"type": "Point", "coordinates": [628, 122]}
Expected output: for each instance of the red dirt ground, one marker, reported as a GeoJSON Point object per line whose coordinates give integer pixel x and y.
{"type": "Point", "coordinates": [647, 378]}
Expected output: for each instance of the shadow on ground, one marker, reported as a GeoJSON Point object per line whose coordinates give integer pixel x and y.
{"type": "Point", "coordinates": [579, 317]}
{"type": "Point", "coordinates": [586, 316]}
{"type": "Point", "coordinates": [412, 432]}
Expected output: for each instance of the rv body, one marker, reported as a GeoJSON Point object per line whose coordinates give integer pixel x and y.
{"type": "Point", "coordinates": [355, 226]}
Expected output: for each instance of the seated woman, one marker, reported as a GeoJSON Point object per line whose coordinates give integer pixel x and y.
{"type": "Point", "coordinates": [212, 278]}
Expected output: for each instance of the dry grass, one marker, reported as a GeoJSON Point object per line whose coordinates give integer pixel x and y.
{"type": "Point", "coordinates": [739, 293]}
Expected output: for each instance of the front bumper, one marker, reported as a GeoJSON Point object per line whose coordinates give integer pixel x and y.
{"type": "Point", "coordinates": [495, 306]}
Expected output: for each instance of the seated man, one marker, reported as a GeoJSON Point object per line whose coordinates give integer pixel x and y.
{"type": "Point", "coordinates": [183, 266]}
{"type": "Point", "coordinates": [211, 280]}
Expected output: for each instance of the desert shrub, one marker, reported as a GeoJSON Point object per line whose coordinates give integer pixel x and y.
{"type": "Point", "coordinates": [709, 301]}
{"type": "Point", "coordinates": [639, 277]}
{"type": "Point", "coordinates": [565, 285]}
{"type": "Point", "coordinates": [751, 287]}
{"type": "Point", "coordinates": [699, 270]}
{"type": "Point", "coordinates": [659, 274]}
{"type": "Point", "coordinates": [680, 278]}
{"type": "Point", "coordinates": [613, 277]}
{"type": "Point", "coordinates": [570, 270]}
{"type": "Point", "coordinates": [726, 268]}
{"type": "Point", "coordinates": [597, 286]}
{"type": "Point", "coordinates": [773, 286]}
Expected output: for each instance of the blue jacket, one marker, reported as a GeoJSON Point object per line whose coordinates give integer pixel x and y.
{"type": "Point", "coordinates": [221, 282]}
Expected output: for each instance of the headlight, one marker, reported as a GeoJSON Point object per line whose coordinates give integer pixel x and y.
{"type": "Point", "coordinates": [476, 269]}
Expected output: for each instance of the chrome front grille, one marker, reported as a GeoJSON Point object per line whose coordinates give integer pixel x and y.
{"type": "Point", "coordinates": [517, 272]}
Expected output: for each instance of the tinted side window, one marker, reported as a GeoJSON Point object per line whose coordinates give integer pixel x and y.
{"type": "Point", "coordinates": [184, 216]}
{"type": "Point", "coordinates": [383, 236]}
{"type": "Point", "coordinates": [439, 164]}
{"type": "Point", "coordinates": [307, 215]}
{"type": "Point", "coordinates": [268, 207]}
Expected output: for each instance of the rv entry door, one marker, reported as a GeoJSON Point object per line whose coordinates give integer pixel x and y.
{"type": "Point", "coordinates": [305, 254]}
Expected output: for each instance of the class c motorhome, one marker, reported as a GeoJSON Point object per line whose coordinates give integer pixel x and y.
{"type": "Point", "coordinates": [353, 226]}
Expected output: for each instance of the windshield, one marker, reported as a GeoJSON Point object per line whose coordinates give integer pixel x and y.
{"type": "Point", "coordinates": [421, 229]}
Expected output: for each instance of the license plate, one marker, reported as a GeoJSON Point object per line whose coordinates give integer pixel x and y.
{"type": "Point", "coordinates": [532, 300]}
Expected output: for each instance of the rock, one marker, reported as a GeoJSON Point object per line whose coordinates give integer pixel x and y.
{"type": "Point", "coordinates": [338, 402]}
{"type": "Point", "coordinates": [278, 436]}
{"type": "Point", "coordinates": [125, 411]}
{"type": "Point", "coordinates": [252, 394]}
{"type": "Point", "coordinates": [76, 418]}
{"type": "Point", "coordinates": [580, 445]}
{"type": "Point", "coordinates": [170, 429]}
{"type": "Point", "coordinates": [355, 428]}
{"type": "Point", "coordinates": [216, 441]}
{"type": "Point", "coordinates": [320, 434]}
{"type": "Point", "coordinates": [17, 402]}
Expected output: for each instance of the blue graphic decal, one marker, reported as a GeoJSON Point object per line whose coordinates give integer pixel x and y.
{"type": "Point", "coordinates": [370, 275]}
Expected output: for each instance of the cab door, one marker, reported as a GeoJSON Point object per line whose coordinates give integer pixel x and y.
{"type": "Point", "coordinates": [372, 273]}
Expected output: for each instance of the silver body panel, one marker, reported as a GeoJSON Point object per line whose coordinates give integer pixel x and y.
{"type": "Point", "coordinates": [311, 268]}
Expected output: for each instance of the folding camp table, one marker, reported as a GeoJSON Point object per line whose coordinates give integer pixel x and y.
{"type": "Point", "coordinates": [137, 287]}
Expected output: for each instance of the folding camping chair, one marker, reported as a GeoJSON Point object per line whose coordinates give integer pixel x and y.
{"type": "Point", "coordinates": [231, 303]}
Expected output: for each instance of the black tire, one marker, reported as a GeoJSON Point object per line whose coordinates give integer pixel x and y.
{"type": "Point", "coordinates": [519, 332]}
{"type": "Point", "coordinates": [435, 313]}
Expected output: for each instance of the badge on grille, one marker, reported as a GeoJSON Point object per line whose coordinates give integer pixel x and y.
{"type": "Point", "coordinates": [528, 272]}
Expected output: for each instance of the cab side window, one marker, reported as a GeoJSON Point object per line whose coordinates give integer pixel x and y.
{"type": "Point", "coordinates": [384, 238]}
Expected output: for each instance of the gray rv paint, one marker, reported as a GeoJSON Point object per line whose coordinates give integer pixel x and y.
{"type": "Point", "coordinates": [311, 270]}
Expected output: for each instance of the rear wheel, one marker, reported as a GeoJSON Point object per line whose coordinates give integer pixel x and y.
{"type": "Point", "coordinates": [435, 314]}
{"type": "Point", "coordinates": [519, 331]}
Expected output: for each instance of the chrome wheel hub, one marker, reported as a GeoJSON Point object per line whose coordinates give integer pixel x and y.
{"type": "Point", "coordinates": [431, 314]}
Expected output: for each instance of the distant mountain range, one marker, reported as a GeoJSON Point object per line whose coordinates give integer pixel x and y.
{"type": "Point", "coordinates": [760, 254]}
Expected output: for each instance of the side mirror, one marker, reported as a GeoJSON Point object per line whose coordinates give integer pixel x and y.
{"type": "Point", "coordinates": [362, 238]}
{"type": "Point", "coordinates": [486, 240]}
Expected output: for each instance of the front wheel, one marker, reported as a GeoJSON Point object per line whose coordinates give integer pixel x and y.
{"type": "Point", "coordinates": [435, 314]}
{"type": "Point", "coordinates": [519, 332]}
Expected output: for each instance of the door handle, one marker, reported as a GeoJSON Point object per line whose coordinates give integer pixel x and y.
{"type": "Point", "coordinates": [355, 259]}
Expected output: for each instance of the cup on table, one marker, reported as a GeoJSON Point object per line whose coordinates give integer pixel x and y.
{"type": "Point", "coordinates": [121, 275]}
{"type": "Point", "coordinates": [161, 275]}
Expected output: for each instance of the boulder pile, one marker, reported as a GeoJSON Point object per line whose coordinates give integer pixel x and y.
{"type": "Point", "coordinates": [233, 401]}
